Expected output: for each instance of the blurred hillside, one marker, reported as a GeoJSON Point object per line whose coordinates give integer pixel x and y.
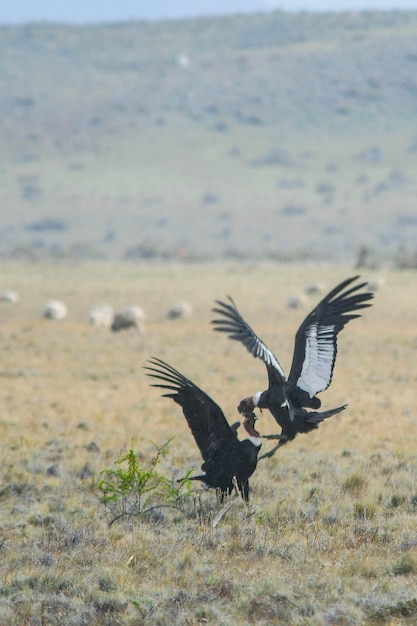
{"type": "Point", "coordinates": [281, 136]}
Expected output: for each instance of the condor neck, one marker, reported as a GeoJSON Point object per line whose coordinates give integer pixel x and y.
{"type": "Point", "coordinates": [256, 441]}
{"type": "Point", "coordinates": [259, 400]}
{"type": "Point", "coordinates": [254, 436]}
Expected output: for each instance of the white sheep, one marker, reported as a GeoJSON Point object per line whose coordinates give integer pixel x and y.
{"type": "Point", "coordinates": [54, 310]}
{"type": "Point", "coordinates": [314, 289]}
{"type": "Point", "coordinates": [129, 317]}
{"type": "Point", "coordinates": [181, 309]}
{"type": "Point", "coordinates": [297, 302]}
{"type": "Point", "coordinates": [375, 284]}
{"type": "Point", "coordinates": [101, 315]}
{"type": "Point", "coordinates": [9, 296]}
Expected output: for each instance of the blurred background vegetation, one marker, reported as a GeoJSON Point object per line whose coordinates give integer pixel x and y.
{"type": "Point", "coordinates": [280, 136]}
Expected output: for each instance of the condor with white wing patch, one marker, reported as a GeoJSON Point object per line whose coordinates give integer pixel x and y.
{"type": "Point", "coordinates": [313, 361]}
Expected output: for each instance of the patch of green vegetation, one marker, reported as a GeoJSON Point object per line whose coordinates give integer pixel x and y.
{"type": "Point", "coordinates": [354, 483]}
{"type": "Point", "coordinates": [405, 566]}
{"type": "Point", "coordinates": [365, 510]}
{"type": "Point", "coordinates": [386, 612]}
{"type": "Point", "coordinates": [134, 491]}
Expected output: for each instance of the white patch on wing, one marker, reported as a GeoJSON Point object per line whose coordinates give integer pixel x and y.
{"type": "Point", "coordinates": [262, 352]}
{"type": "Point", "coordinates": [320, 351]}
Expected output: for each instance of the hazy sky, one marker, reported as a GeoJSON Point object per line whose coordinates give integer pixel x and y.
{"type": "Point", "coordinates": [17, 11]}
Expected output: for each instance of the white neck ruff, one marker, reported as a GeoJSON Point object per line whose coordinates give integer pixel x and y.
{"type": "Point", "coordinates": [256, 398]}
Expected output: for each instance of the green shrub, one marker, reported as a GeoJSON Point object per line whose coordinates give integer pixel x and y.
{"type": "Point", "coordinates": [406, 565]}
{"type": "Point", "coordinates": [135, 491]}
{"type": "Point", "coordinates": [364, 510]}
{"type": "Point", "coordinates": [354, 483]}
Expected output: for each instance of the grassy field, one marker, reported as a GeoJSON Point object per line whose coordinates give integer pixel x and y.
{"type": "Point", "coordinates": [330, 536]}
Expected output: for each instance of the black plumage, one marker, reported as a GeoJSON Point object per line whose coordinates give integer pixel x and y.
{"type": "Point", "coordinates": [313, 361]}
{"type": "Point", "coordinates": [225, 457]}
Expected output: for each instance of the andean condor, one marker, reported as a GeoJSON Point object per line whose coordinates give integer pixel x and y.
{"type": "Point", "coordinates": [313, 360]}
{"type": "Point", "coordinates": [225, 457]}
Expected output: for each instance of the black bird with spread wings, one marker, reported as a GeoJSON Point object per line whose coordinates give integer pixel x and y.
{"type": "Point", "coordinates": [313, 360]}
{"type": "Point", "coordinates": [225, 457]}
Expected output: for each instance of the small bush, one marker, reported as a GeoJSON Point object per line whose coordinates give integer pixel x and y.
{"type": "Point", "coordinates": [134, 491]}
{"type": "Point", "coordinates": [355, 483]}
{"type": "Point", "coordinates": [406, 565]}
{"type": "Point", "coordinates": [397, 500]}
{"type": "Point", "coordinates": [47, 223]}
{"type": "Point", "coordinates": [364, 510]}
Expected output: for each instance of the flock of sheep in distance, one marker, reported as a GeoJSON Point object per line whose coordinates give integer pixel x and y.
{"type": "Point", "coordinates": [104, 315]}
{"type": "Point", "coordinates": [133, 316]}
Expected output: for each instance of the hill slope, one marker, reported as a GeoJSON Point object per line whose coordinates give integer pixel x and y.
{"type": "Point", "coordinates": [277, 135]}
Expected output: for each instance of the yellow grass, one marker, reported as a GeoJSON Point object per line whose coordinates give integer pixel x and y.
{"type": "Point", "coordinates": [331, 537]}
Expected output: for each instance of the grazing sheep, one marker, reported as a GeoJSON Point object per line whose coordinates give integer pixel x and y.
{"type": "Point", "coordinates": [181, 309]}
{"type": "Point", "coordinates": [376, 284]}
{"type": "Point", "coordinates": [314, 289]}
{"type": "Point", "coordinates": [101, 315]}
{"type": "Point", "coordinates": [297, 302]}
{"type": "Point", "coordinates": [130, 317]}
{"type": "Point", "coordinates": [54, 310]}
{"type": "Point", "coordinates": [9, 296]}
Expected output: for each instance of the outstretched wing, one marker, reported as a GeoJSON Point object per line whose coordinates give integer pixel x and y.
{"type": "Point", "coordinates": [316, 340]}
{"type": "Point", "coordinates": [204, 417]}
{"type": "Point", "coordinates": [235, 326]}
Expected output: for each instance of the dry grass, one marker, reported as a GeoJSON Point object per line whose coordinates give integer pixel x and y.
{"type": "Point", "coordinates": [331, 535]}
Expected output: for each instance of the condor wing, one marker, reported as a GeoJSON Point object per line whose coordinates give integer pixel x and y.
{"type": "Point", "coordinates": [315, 347]}
{"type": "Point", "coordinates": [205, 418]}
